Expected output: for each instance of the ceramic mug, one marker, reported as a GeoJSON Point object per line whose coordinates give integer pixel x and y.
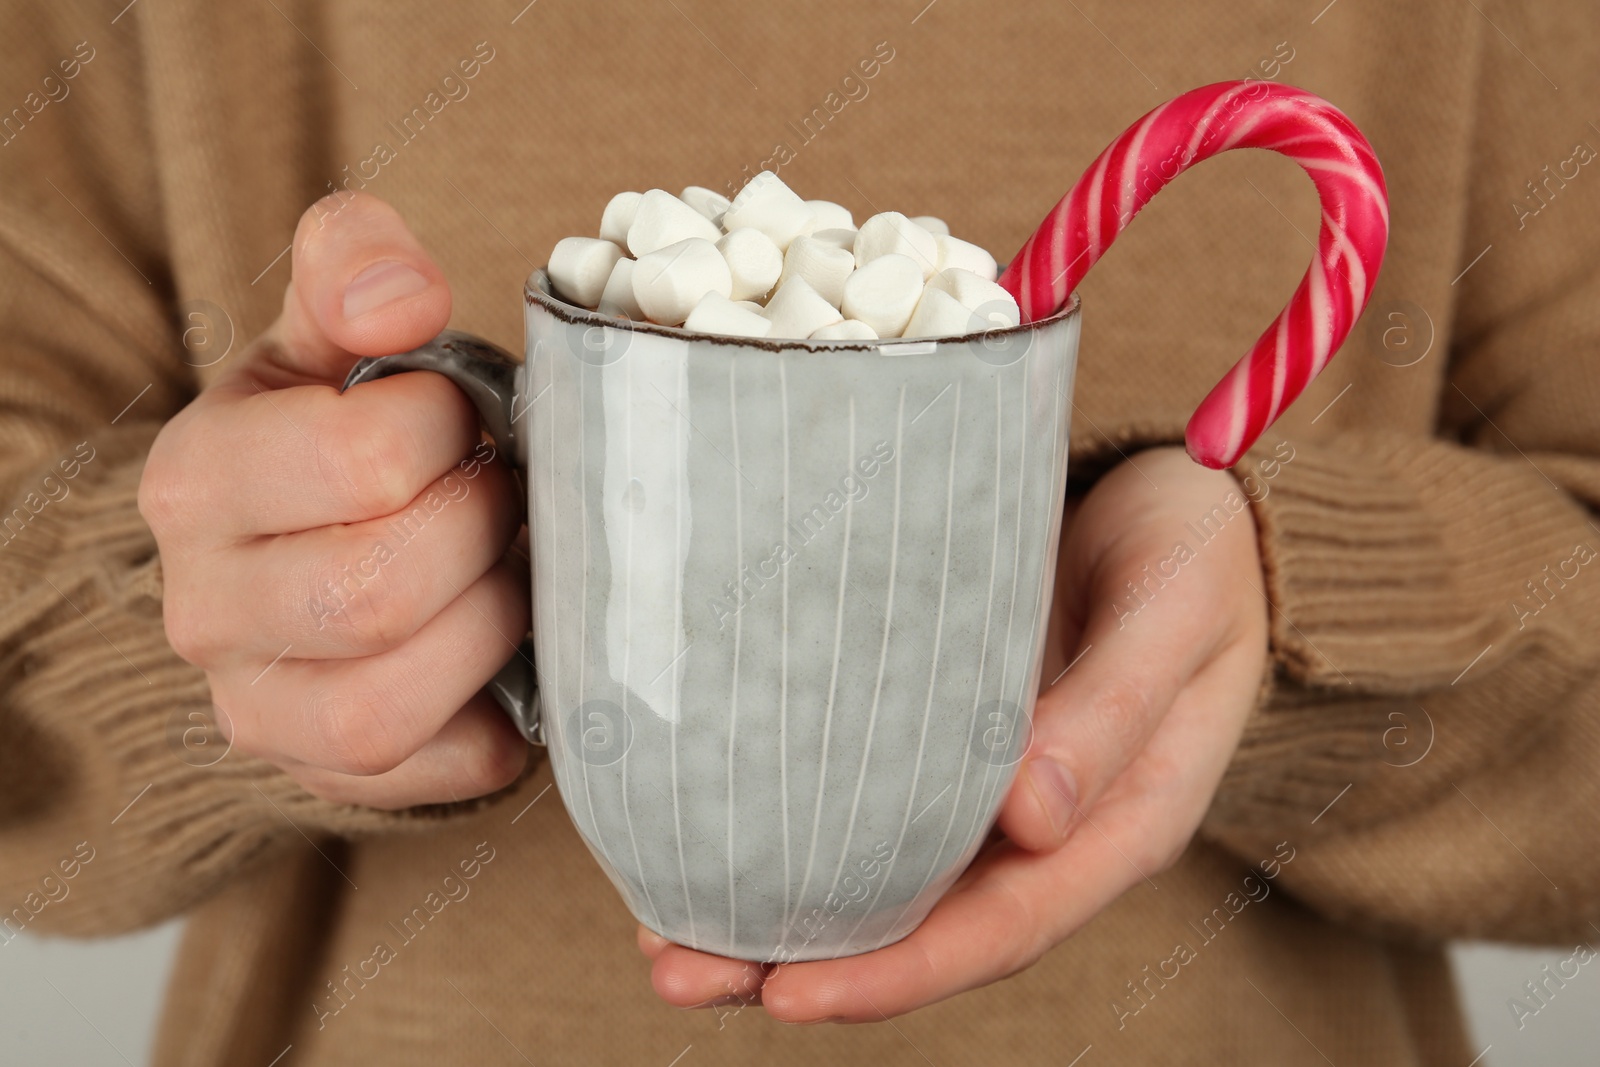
{"type": "Point", "coordinates": [789, 606]}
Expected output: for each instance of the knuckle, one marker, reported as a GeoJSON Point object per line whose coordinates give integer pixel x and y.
{"type": "Point", "coordinates": [236, 716]}
{"type": "Point", "coordinates": [1020, 940]}
{"type": "Point", "coordinates": [1120, 715]}
{"type": "Point", "coordinates": [189, 633]}
{"type": "Point", "coordinates": [489, 766]}
{"type": "Point", "coordinates": [364, 608]}
{"type": "Point", "coordinates": [351, 733]}
{"type": "Point", "coordinates": [371, 462]}
{"type": "Point", "coordinates": [319, 223]}
{"type": "Point", "coordinates": [161, 497]}
{"type": "Point", "coordinates": [165, 496]}
{"type": "Point", "coordinates": [389, 608]}
{"type": "Point", "coordinates": [1018, 935]}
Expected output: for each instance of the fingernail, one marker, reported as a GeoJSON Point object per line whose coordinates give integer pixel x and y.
{"type": "Point", "coordinates": [380, 284]}
{"type": "Point", "coordinates": [1053, 784]}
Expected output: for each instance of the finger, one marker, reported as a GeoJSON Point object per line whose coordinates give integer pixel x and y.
{"type": "Point", "coordinates": [977, 933]}
{"type": "Point", "coordinates": [477, 751]}
{"type": "Point", "coordinates": [686, 978]}
{"type": "Point", "coordinates": [278, 461]}
{"type": "Point", "coordinates": [362, 286]}
{"type": "Point", "coordinates": [368, 716]}
{"type": "Point", "coordinates": [343, 591]}
{"type": "Point", "coordinates": [650, 943]}
{"type": "Point", "coordinates": [1008, 909]}
{"type": "Point", "coordinates": [1091, 724]}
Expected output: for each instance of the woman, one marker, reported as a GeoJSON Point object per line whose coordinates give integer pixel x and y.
{"type": "Point", "coordinates": [1371, 692]}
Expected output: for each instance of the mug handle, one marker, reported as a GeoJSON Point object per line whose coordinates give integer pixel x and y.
{"type": "Point", "coordinates": [488, 375]}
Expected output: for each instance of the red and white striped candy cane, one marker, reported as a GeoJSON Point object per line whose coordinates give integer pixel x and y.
{"type": "Point", "coordinates": [1166, 142]}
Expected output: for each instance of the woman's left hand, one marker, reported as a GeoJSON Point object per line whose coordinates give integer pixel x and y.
{"type": "Point", "coordinates": [1151, 692]}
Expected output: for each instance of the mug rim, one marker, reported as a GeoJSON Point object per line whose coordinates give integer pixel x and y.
{"type": "Point", "coordinates": [537, 290]}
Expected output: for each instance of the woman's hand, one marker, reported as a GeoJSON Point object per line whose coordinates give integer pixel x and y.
{"type": "Point", "coordinates": [338, 563]}
{"type": "Point", "coordinates": [1157, 647]}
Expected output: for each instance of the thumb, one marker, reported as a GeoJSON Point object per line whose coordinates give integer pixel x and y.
{"type": "Point", "coordinates": [362, 286]}
{"type": "Point", "coordinates": [1099, 715]}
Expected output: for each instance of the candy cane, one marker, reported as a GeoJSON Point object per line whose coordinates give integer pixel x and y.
{"type": "Point", "coordinates": [1165, 143]}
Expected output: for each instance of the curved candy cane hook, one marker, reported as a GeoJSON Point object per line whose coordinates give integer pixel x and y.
{"type": "Point", "coordinates": [1165, 143]}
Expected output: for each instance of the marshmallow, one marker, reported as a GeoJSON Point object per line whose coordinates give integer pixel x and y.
{"type": "Point", "coordinates": [826, 215]}
{"type": "Point", "coordinates": [954, 252]}
{"type": "Point", "coordinates": [662, 219]}
{"type": "Point", "coordinates": [838, 238]}
{"type": "Point", "coordinates": [708, 202]}
{"type": "Point", "coordinates": [891, 233]}
{"type": "Point", "coordinates": [797, 311]}
{"type": "Point", "coordinates": [824, 267]}
{"type": "Point", "coordinates": [939, 314]}
{"type": "Point", "coordinates": [768, 205]}
{"type": "Point", "coordinates": [718, 314]}
{"type": "Point", "coordinates": [892, 276]}
{"type": "Point", "coordinates": [670, 281]}
{"type": "Point", "coordinates": [847, 330]}
{"type": "Point", "coordinates": [884, 293]}
{"type": "Point", "coordinates": [617, 297]}
{"type": "Point", "coordinates": [580, 266]}
{"type": "Point", "coordinates": [996, 307]}
{"type": "Point", "coordinates": [618, 216]}
{"type": "Point", "coordinates": [754, 261]}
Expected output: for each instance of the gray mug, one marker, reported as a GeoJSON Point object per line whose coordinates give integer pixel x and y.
{"type": "Point", "coordinates": [789, 605]}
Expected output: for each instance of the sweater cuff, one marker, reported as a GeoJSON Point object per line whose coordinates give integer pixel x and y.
{"type": "Point", "coordinates": [1353, 559]}
{"type": "Point", "coordinates": [106, 736]}
{"type": "Point", "coordinates": [1390, 580]}
{"type": "Point", "coordinates": [1348, 554]}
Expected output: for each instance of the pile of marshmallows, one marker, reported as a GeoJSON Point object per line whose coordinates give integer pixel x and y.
{"type": "Point", "coordinates": [769, 264]}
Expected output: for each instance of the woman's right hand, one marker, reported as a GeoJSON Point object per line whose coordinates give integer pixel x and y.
{"type": "Point", "coordinates": [338, 564]}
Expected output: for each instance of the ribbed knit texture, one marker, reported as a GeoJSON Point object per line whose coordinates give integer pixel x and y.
{"type": "Point", "coordinates": [1425, 748]}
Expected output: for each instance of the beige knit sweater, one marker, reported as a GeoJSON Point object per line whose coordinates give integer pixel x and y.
{"type": "Point", "coordinates": [1424, 765]}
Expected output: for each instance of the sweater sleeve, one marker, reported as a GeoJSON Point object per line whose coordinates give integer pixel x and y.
{"type": "Point", "coordinates": [1429, 739]}
{"type": "Point", "coordinates": [118, 803]}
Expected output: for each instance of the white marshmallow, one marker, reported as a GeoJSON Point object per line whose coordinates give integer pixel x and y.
{"type": "Point", "coordinates": [826, 215]}
{"type": "Point", "coordinates": [708, 202]}
{"type": "Point", "coordinates": [797, 311]}
{"type": "Point", "coordinates": [954, 252]}
{"type": "Point", "coordinates": [718, 314]}
{"type": "Point", "coordinates": [670, 281]}
{"type": "Point", "coordinates": [884, 293]}
{"type": "Point", "coordinates": [824, 267]}
{"type": "Point", "coordinates": [768, 205]}
{"type": "Point", "coordinates": [937, 227]}
{"type": "Point", "coordinates": [838, 238]}
{"type": "Point", "coordinates": [891, 233]}
{"type": "Point", "coordinates": [662, 219]}
{"type": "Point", "coordinates": [618, 216]}
{"type": "Point", "coordinates": [939, 314]}
{"type": "Point", "coordinates": [617, 297]}
{"type": "Point", "coordinates": [754, 261]}
{"type": "Point", "coordinates": [991, 303]}
{"type": "Point", "coordinates": [847, 330]}
{"type": "Point", "coordinates": [749, 305]}
{"type": "Point", "coordinates": [579, 267]}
